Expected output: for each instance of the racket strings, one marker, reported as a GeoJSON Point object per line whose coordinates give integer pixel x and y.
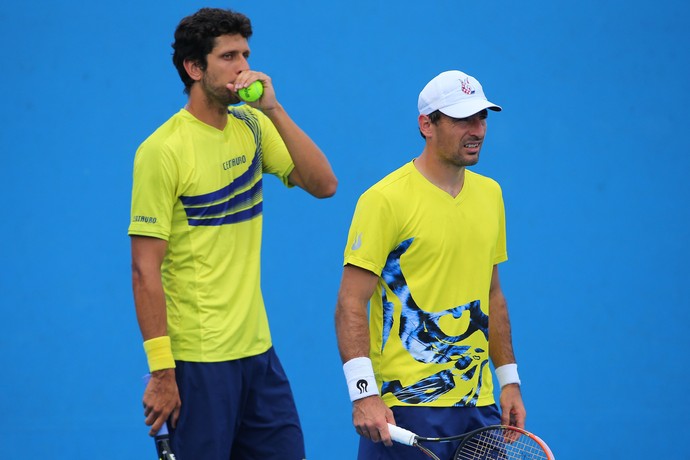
{"type": "Point", "coordinates": [500, 445]}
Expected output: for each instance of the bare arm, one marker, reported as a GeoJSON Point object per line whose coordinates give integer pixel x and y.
{"type": "Point", "coordinates": [501, 350]}
{"type": "Point", "coordinates": [161, 398]}
{"type": "Point", "coordinates": [370, 415]}
{"type": "Point", "coordinates": [147, 285]}
{"type": "Point", "coordinates": [312, 171]}
{"type": "Point", "coordinates": [351, 322]}
{"type": "Point", "coordinates": [500, 338]}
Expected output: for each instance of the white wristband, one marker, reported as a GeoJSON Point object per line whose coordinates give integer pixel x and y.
{"type": "Point", "coordinates": [507, 374]}
{"type": "Point", "coordinates": [359, 375]}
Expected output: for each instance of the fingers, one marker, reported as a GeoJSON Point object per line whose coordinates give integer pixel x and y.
{"type": "Point", "coordinates": [153, 418]}
{"type": "Point", "coordinates": [161, 401]}
{"type": "Point", "coordinates": [505, 418]}
{"type": "Point", "coordinates": [156, 426]}
{"type": "Point", "coordinates": [375, 434]}
{"type": "Point", "coordinates": [372, 422]}
{"type": "Point", "coordinates": [385, 436]}
{"type": "Point", "coordinates": [175, 416]}
{"type": "Point", "coordinates": [513, 417]}
{"type": "Point", "coordinates": [156, 418]}
{"type": "Point", "coordinates": [247, 77]}
{"type": "Point", "coordinates": [268, 101]}
{"type": "Point", "coordinates": [512, 407]}
{"type": "Point", "coordinates": [390, 418]}
{"type": "Point", "coordinates": [518, 419]}
{"type": "Point", "coordinates": [385, 433]}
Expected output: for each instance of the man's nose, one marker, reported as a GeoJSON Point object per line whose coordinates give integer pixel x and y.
{"type": "Point", "coordinates": [244, 64]}
{"type": "Point", "coordinates": [477, 127]}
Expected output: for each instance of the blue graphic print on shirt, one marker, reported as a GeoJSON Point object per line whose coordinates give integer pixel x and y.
{"type": "Point", "coordinates": [426, 342]}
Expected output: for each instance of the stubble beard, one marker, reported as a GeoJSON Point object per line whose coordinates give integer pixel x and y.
{"type": "Point", "coordinates": [218, 95]}
{"type": "Point", "coordinates": [466, 159]}
{"type": "Point", "coordinates": [471, 161]}
{"type": "Point", "coordinates": [463, 160]}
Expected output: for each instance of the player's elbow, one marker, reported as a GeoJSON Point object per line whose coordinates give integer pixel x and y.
{"type": "Point", "coordinates": [326, 188]}
{"type": "Point", "coordinates": [138, 276]}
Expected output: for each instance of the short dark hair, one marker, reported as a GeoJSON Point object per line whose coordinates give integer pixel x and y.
{"type": "Point", "coordinates": [196, 35]}
{"type": "Point", "coordinates": [434, 117]}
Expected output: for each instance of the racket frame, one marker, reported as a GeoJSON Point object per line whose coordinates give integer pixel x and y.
{"type": "Point", "coordinates": [409, 438]}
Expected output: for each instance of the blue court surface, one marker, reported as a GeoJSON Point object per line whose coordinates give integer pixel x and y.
{"type": "Point", "coordinates": [591, 151]}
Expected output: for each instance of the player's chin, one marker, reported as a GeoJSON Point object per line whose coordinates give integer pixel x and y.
{"type": "Point", "coordinates": [227, 97]}
{"type": "Point", "coordinates": [471, 159]}
{"type": "Point", "coordinates": [233, 99]}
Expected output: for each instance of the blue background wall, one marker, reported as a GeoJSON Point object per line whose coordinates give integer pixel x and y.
{"type": "Point", "coordinates": [591, 150]}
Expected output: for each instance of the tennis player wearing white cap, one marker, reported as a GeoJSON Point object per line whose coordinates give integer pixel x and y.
{"type": "Point", "coordinates": [423, 252]}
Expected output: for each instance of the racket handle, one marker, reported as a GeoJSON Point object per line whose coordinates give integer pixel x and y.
{"type": "Point", "coordinates": [163, 448]}
{"type": "Point", "coordinates": [401, 435]}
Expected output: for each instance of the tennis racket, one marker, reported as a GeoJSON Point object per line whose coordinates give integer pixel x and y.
{"type": "Point", "coordinates": [162, 438]}
{"type": "Point", "coordinates": [495, 442]}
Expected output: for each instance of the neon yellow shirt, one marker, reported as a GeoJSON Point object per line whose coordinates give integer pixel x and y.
{"type": "Point", "coordinates": [200, 189]}
{"type": "Point", "coordinates": [429, 314]}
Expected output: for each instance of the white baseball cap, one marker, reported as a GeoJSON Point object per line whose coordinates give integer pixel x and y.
{"type": "Point", "coordinates": [455, 94]}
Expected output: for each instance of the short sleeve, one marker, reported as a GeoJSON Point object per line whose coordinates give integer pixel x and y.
{"type": "Point", "coordinates": [373, 233]}
{"type": "Point", "coordinates": [154, 188]}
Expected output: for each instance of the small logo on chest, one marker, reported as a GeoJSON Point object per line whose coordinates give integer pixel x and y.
{"type": "Point", "coordinates": [234, 162]}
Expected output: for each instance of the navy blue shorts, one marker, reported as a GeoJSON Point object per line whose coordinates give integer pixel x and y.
{"type": "Point", "coordinates": [241, 409]}
{"type": "Point", "coordinates": [430, 422]}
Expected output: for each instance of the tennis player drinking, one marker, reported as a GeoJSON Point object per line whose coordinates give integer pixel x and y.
{"type": "Point", "coordinates": [196, 238]}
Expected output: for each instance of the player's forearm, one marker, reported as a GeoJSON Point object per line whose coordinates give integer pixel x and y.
{"type": "Point", "coordinates": [147, 285]}
{"type": "Point", "coordinates": [500, 336]}
{"type": "Point", "coordinates": [149, 301]}
{"type": "Point", "coordinates": [314, 171]}
{"type": "Point", "coordinates": [352, 330]}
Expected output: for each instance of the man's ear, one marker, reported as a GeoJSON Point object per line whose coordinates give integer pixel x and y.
{"type": "Point", "coordinates": [424, 125]}
{"type": "Point", "coordinates": [193, 69]}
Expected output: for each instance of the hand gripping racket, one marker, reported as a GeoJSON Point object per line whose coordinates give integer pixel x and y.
{"type": "Point", "coordinates": [162, 438]}
{"type": "Point", "coordinates": [492, 442]}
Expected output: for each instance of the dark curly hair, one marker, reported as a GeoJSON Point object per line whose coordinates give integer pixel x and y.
{"type": "Point", "coordinates": [196, 35]}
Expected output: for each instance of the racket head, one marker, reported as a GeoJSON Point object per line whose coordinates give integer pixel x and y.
{"type": "Point", "coordinates": [502, 443]}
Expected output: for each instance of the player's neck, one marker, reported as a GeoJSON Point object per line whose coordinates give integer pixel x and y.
{"type": "Point", "coordinates": [449, 178]}
{"type": "Point", "coordinates": [205, 110]}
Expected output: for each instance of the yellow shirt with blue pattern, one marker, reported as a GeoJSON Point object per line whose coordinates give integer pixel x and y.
{"type": "Point", "coordinates": [434, 255]}
{"type": "Point", "coordinates": [201, 190]}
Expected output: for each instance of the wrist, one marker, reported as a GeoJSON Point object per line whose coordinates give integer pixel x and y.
{"type": "Point", "coordinates": [507, 374]}
{"type": "Point", "coordinates": [272, 111]}
{"type": "Point", "coordinates": [159, 353]}
{"type": "Point", "coordinates": [359, 375]}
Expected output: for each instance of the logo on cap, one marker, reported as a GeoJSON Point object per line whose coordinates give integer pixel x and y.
{"type": "Point", "coordinates": [466, 86]}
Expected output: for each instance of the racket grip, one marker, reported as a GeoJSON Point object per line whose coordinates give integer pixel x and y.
{"type": "Point", "coordinates": [401, 435]}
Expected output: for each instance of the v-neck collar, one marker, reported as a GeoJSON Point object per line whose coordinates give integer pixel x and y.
{"type": "Point", "coordinates": [439, 191]}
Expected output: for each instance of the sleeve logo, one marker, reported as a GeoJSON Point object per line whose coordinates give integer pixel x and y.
{"type": "Point", "coordinates": [357, 243]}
{"type": "Point", "coordinates": [144, 219]}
